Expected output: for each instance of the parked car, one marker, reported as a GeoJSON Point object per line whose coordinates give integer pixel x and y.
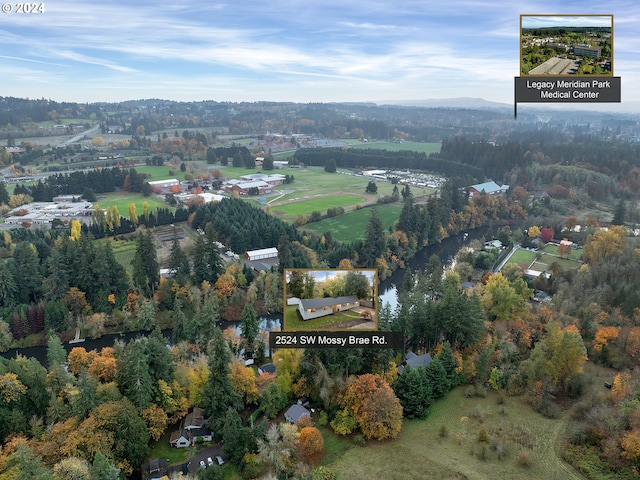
{"type": "Point", "coordinates": [220, 460]}
{"type": "Point", "coordinates": [209, 461]}
{"type": "Point", "coordinates": [202, 464]}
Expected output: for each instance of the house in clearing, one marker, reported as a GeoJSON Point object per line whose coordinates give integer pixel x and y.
{"type": "Point", "coordinates": [319, 307]}
{"type": "Point", "coordinates": [193, 426]}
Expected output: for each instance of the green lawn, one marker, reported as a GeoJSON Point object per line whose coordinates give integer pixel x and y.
{"type": "Point", "coordinates": [123, 199]}
{"type": "Point", "coordinates": [292, 320]}
{"type": "Point", "coordinates": [522, 257]}
{"type": "Point", "coordinates": [548, 255]}
{"type": "Point", "coordinates": [160, 172]}
{"type": "Point", "coordinates": [352, 225]}
{"type": "Point", "coordinates": [320, 203]}
{"type": "Point", "coordinates": [420, 451]}
{"type": "Point", "coordinates": [124, 251]}
{"type": "Point", "coordinates": [553, 249]}
{"type": "Point", "coordinates": [396, 147]}
{"type": "Point", "coordinates": [162, 449]}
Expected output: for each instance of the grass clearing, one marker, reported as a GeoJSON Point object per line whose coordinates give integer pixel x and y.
{"type": "Point", "coordinates": [122, 200]}
{"type": "Point", "coordinates": [320, 203]}
{"type": "Point", "coordinates": [124, 251]}
{"type": "Point", "coordinates": [352, 225]}
{"type": "Point", "coordinates": [162, 449]}
{"type": "Point", "coordinates": [420, 452]}
{"type": "Point", "coordinates": [424, 147]}
{"type": "Point", "coordinates": [161, 172]}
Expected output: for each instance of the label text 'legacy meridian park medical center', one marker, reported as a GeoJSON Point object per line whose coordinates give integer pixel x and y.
{"type": "Point", "coordinates": [563, 89]}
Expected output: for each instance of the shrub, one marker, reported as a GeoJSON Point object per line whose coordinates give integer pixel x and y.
{"type": "Point", "coordinates": [359, 440]}
{"type": "Point", "coordinates": [442, 431]}
{"type": "Point", "coordinates": [483, 436]}
{"type": "Point", "coordinates": [524, 458]}
{"type": "Point", "coordinates": [323, 419]}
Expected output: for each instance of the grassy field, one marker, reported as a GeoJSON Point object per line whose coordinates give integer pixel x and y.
{"type": "Point", "coordinates": [396, 147]}
{"type": "Point", "coordinates": [160, 172]}
{"type": "Point", "coordinates": [320, 203]}
{"type": "Point", "coordinates": [548, 255]}
{"type": "Point", "coordinates": [315, 181]}
{"type": "Point", "coordinates": [352, 225]}
{"type": "Point", "coordinates": [123, 199]}
{"type": "Point", "coordinates": [421, 451]}
{"type": "Point", "coordinates": [124, 251]}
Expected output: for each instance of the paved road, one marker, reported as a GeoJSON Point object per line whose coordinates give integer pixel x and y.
{"type": "Point", "coordinates": [78, 137]}
{"type": "Point", "coordinates": [506, 259]}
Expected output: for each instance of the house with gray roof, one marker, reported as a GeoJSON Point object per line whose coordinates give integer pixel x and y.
{"type": "Point", "coordinates": [296, 413]}
{"type": "Point", "coordinates": [319, 307]}
{"type": "Point", "coordinates": [414, 361]}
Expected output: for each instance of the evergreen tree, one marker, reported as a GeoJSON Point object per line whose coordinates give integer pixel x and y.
{"type": "Point", "coordinates": [221, 395]}
{"type": "Point", "coordinates": [56, 354]}
{"type": "Point", "coordinates": [449, 363]}
{"type": "Point", "coordinates": [330, 166]}
{"type": "Point", "coordinates": [619, 213]}
{"type": "Point", "coordinates": [250, 329]}
{"type": "Point", "coordinates": [4, 194]}
{"type": "Point", "coordinates": [375, 242]}
{"type": "Point", "coordinates": [437, 378]}
{"type": "Point", "coordinates": [234, 436]}
{"type": "Point", "coordinates": [133, 377]}
{"type": "Point", "coordinates": [103, 469]}
{"type": "Point", "coordinates": [414, 392]}
{"type": "Point", "coordinates": [178, 262]}
{"type": "Point", "coordinates": [146, 273]}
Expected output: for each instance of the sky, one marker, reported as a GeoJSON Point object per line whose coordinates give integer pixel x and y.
{"type": "Point", "coordinates": [284, 50]}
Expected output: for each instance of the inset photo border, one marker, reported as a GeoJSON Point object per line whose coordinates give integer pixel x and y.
{"type": "Point", "coordinates": [558, 45]}
{"type": "Point", "coordinates": [330, 299]}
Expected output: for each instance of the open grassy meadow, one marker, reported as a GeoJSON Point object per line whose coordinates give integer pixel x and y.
{"type": "Point", "coordinates": [446, 446]}
{"type": "Point", "coordinates": [123, 199]}
{"type": "Point", "coordinates": [321, 203]}
{"type": "Point", "coordinates": [352, 225]}
{"type": "Point", "coordinates": [425, 147]}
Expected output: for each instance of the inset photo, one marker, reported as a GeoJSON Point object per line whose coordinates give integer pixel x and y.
{"type": "Point", "coordinates": [331, 299]}
{"type": "Point", "coordinates": [566, 45]}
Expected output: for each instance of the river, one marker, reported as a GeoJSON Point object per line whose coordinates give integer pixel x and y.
{"type": "Point", "coordinates": [445, 250]}
{"type": "Point", "coordinates": [387, 290]}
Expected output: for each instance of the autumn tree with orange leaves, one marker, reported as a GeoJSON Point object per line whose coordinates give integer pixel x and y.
{"type": "Point", "coordinates": [371, 401]}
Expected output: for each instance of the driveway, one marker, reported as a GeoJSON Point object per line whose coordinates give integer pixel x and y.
{"type": "Point", "coordinates": [203, 454]}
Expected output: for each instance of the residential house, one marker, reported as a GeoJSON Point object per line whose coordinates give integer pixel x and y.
{"type": "Point", "coordinates": [192, 427]}
{"type": "Point", "coordinates": [295, 413]}
{"type": "Point", "coordinates": [414, 361]}
{"type": "Point", "coordinates": [320, 307]}
{"type": "Point", "coordinates": [156, 468]}
{"type": "Point", "coordinates": [267, 368]}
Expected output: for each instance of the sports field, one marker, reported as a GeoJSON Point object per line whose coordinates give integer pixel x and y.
{"type": "Point", "coordinates": [322, 203]}
{"type": "Point", "coordinates": [353, 225]}
{"type": "Point", "coordinates": [424, 147]}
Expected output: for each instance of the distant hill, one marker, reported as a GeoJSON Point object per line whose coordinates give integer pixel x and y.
{"type": "Point", "coordinates": [460, 102]}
